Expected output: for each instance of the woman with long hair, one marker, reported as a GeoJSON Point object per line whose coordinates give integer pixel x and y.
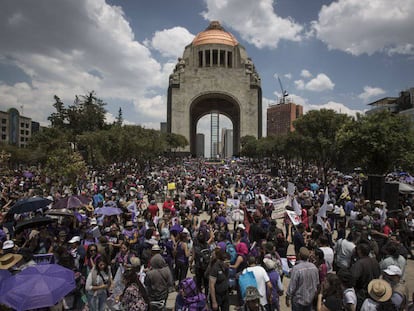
{"type": "Point", "coordinates": [134, 297]}
{"type": "Point", "coordinates": [182, 254]}
{"type": "Point", "coordinates": [330, 297]}
{"type": "Point", "coordinates": [97, 285]}
{"type": "Point", "coordinates": [91, 258]}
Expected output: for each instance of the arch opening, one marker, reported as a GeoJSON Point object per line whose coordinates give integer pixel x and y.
{"type": "Point", "coordinates": [222, 105]}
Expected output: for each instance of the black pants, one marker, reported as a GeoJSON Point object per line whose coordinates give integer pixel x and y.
{"type": "Point", "coordinates": [201, 280]}
{"type": "Point", "coordinates": [223, 301]}
{"type": "Point", "coordinates": [181, 270]}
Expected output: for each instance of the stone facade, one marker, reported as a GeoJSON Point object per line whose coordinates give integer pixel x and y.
{"type": "Point", "coordinates": [214, 77]}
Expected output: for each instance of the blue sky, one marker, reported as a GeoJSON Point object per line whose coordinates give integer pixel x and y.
{"type": "Point", "coordinates": [329, 54]}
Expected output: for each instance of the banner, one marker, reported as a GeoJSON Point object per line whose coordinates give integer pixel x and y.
{"type": "Point", "coordinates": [233, 203]}
{"type": "Point", "coordinates": [295, 218]}
{"type": "Point", "coordinates": [265, 199]}
{"type": "Point", "coordinates": [171, 186]}
{"type": "Point", "coordinates": [280, 207]}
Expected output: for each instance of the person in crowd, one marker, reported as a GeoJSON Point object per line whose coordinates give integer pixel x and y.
{"type": "Point", "coordinates": [219, 280]}
{"type": "Point", "coordinates": [304, 281]}
{"type": "Point", "coordinates": [330, 297]}
{"type": "Point", "coordinates": [298, 237]}
{"type": "Point", "coordinates": [349, 302]}
{"type": "Point", "coordinates": [158, 280]}
{"type": "Point", "coordinates": [91, 258]}
{"type": "Point", "coordinates": [276, 282]}
{"type": "Point", "coordinates": [363, 271]}
{"type": "Point", "coordinates": [400, 296]}
{"type": "Point", "coordinates": [393, 257]}
{"type": "Point", "coordinates": [252, 300]}
{"type": "Point", "coordinates": [182, 255]}
{"type": "Point", "coordinates": [379, 298]}
{"type": "Point", "coordinates": [98, 284]}
{"type": "Point", "coordinates": [134, 297]}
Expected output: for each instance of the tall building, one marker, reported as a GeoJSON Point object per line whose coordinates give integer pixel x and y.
{"type": "Point", "coordinates": [280, 118]}
{"type": "Point", "coordinates": [227, 143]}
{"type": "Point", "coordinates": [16, 129]}
{"type": "Point", "coordinates": [200, 145]}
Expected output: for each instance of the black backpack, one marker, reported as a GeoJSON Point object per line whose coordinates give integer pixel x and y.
{"type": "Point", "coordinates": [203, 255]}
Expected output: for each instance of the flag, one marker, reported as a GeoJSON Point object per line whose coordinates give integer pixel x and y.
{"type": "Point", "coordinates": [345, 192]}
{"type": "Point", "coordinates": [296, 207]}
{"type": "Point", "coordinates": [291, 188]}
{"type": "Point", "coordinates": [132, 207]}
{"type": "Point", "coordinates": [323, 209]}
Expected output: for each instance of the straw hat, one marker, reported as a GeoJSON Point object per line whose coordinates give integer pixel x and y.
{"type": "Point", "coordinates": [379, 290]}
{"type": "Point", "coordinates": [9, 260]}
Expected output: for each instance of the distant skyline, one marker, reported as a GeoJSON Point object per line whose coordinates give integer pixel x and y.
{"type": "Point", "coordinates": [328, 54]}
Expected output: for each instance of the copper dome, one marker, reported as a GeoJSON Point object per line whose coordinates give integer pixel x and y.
{"type": "Point", "coordinates": [215, 34]}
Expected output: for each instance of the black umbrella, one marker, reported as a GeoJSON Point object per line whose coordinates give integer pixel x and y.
{"type": "Point", "coordinates": [72, 201]}
{"type": "Point", "coordinates": [29, 205]}
{"type": "Point", "coordinates": [34, 222]}
{"type": "Point", "coordinates": [59, 212]}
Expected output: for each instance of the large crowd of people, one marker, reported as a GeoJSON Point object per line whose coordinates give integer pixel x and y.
{"type": "Point", "coordinates": [211, 233]}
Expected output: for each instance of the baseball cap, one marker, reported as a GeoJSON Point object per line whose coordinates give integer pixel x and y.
{"type": "Point", "coordinates": [8, 244]}
{"type": "Point", "coordinates": [74, 239]}
{"type": "Point", "coordinates": [393, 270]}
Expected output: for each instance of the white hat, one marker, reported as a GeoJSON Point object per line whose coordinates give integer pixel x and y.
{"type": "Point", "coordinates": [393, 270]}
{"type": "Point", "coordinates": [185, 230]}
{"type": "Point", "coordinates": [93, 221]}
{"type": "Point", "coordinates": [74, 239]}
{"type": "Point", "coordinates": [241, 226]}
{"type": "Point", "coordinates": [8, 244]}
{"type": "Point", "coordinates": [156, 248]}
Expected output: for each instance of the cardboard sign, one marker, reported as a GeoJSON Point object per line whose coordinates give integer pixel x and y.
{"type": "Point", "coordinates": [171, 186]}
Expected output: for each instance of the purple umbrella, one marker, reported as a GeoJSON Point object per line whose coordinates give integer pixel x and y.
{"type": "Point", "coordinates": [38, 286]}
{"type": "Point", "coordinates": [72, 201]}
{"type": "Point", "coordinates": [108, 211]}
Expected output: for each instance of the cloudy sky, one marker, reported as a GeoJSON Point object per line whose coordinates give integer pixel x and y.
{"type": "Point", "coordinates": [328, 54]}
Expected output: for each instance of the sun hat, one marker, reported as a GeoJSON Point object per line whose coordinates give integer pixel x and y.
{"type": "Point", "coordinates": [252, 293]}
{"type": "Point", "coordinates": [393, 270]}
{"type": "Point", "coordinates": [9, 260]}
{"type": "Point", "coordinates": [241, 226]}
{"type": "Point", "coordinates": [156, 248]}
{"type": "Point", "coordinates": [135, 261]}
{"type": "Point", "coordinates": [8, 244]}
{"type": "Point", "coordinates": [379, 290]}
{"type": "Point", "coordinates": [74, 239]}
{"type": "Point", "coordinates": [269, 263]}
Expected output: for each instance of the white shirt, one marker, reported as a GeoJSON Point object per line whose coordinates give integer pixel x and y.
{"type": "Point", "coordinates": [329, 257]}
{"type": "Point", "coordinates": [262, 278]}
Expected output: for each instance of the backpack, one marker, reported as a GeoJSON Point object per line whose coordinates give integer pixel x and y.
{"type": "Point", "coordinates": [192, 299]}
{"type": "Point", "coordinates": [203, 256]}
{"type": "Point", "coordinates": [231, 250]}
{"type": "Point", "coordinates": [246, 279]}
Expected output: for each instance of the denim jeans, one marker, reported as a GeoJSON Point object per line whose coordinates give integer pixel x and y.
{"type": "Point", "coordinates": [97, 302]}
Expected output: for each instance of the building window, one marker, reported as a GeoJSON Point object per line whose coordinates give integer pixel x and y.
{"type": "Point", "coordinates": [21, 139]}
{"type": "Point", "coordinates": [229, 59]}
{"type": "Point", "coordinates": [21, 132]}
{"type": "Point", "coordinates": [27, 132]}
{"type": "Point", "coordinates": [222, 58]}
{"type": "Point", "coordinates": [215, 57]}
{"type": "Point", "coordinates": [27, 125]}
{"type": "Point", "coordinates": [200, 58]}
{"type": "Point", "coordinates": [3, 129]}
{"type": "Point", "coordinates": [3, 121]}
{"type": "Point", "coordinates": [208, 58]}
{"type": "Point", "coordinates": [22, 124]}
{"type": "Point", "coordinates": [3, 137]}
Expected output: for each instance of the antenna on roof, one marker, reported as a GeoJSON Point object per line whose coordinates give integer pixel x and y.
{"type": "Point", "coordinates": [284, 92]}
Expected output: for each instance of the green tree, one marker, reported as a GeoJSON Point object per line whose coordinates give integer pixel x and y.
{"type": "Point", "coordinates": [65, 165]}
{"type": "Point", "coordinates": [58, 119]}
{"type": "Point", "coordinates": [377, 142]}
{"type": "Point", "coordinates": [249, 146]}
{"type": "Point", "coordinates": [318, 129]}
{"type": "Point", "coordinates": [119, 119]}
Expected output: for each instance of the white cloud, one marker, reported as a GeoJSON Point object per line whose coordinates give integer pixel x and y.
{"type": "Point", "coordinates": [300, 84]}
{"type": "Point", "coordinates": [369, 26]}
{"type": "Point", "coordinates": [320, 83]}
{"type": "Point", "coordinates": [171, 42]}
{"type": "Point", "coordinates": [338, 107]}
{"type": "Point", "coordinates": [255, 21]}
{"type": "Point", "coordinates": [92, 47]}
{"type": "Point", "coordinates": [305, 74]}
{"type": "Point", "coordinates": [288, 76]}
{"type": "Point", "coordinates": [110, 118]}
{"type": "Point", "coordinates": [370, 92]}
